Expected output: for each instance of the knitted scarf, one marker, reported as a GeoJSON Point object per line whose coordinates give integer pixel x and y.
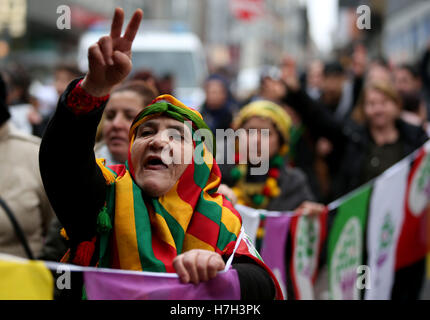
{"type": "Point", "coordinates": [148, 233]}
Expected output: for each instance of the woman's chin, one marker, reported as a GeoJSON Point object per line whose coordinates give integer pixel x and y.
{"type": "Point", "coordinates": [154, 185]}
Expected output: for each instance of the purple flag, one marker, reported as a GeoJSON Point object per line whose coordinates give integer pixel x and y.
{"type": "Point", "coordinates": [273, 247]}
{"type": "Point", "coordinates": [108, 285]}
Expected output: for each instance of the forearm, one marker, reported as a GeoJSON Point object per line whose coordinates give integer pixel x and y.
{"type": "Point", "coordinates": [315, 116]}
{"type": "Point", "coordinates": [73, 182]}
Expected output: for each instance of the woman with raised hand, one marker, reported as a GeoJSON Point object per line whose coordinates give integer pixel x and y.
{"type": "Point", "coordinates": [149, 214]}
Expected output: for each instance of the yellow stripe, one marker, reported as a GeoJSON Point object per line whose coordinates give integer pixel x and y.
{"type": "Point", "coordinates": [180, 210]}
{"type": "Point", "coordinates": [191, 242]}
{"type": "Point", "coordinates": [228, 218]}
{"type": "Point", "coordinates": [109, 177]}
{"type": "Point", "coordinates": [162, 228]}
{"type": "Point", "coordinates": [125, 227]}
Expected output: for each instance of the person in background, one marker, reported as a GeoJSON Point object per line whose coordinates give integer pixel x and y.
{"type": "Point", "coordinates": [147, 77]}
{"type": "Point", "coordinates": [18, 99]}
{"type": "Point", "coordinates": [270, 87]}
{"type": "Point", "coordinates": [281, 188]}
{"type": "Point", "coordinates": [313, 78]}
{"type": "Point", "coordinates": [126, 101]}
{"type": "Point", "coordinates": [63, 74]}
{"type": "Point", "coordinates": [21, 187]}
{"type": "Point", "coordinates": [219, 107]}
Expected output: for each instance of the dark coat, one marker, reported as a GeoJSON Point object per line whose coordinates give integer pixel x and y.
{"type": "Point", "coordinates": [292, 182]}
{"type": "Point", "coordinates": [350, 140]}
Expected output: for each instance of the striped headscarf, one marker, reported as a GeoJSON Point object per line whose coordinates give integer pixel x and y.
{"type": "Point", "coordinates": [266, 109]}
{"type": "Point", "coordinates": [148, 233]}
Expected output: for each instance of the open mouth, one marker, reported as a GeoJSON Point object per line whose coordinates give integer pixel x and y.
{"type": "Point", "coordinates": [154, 163]}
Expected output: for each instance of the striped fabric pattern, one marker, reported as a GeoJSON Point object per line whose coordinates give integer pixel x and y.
{"type": "Point", "coordinates": [149, 233]}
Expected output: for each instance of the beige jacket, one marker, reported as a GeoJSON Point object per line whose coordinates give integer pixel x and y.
{"type": "Point", "coordinates": [21, 188]}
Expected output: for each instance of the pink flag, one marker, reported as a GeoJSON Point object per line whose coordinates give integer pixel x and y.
{"type": "Point", "coordinates": [117, 285]}
{"type": "Point", "coordinates": [273, 248]}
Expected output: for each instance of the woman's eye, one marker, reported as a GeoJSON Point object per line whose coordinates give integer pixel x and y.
{"type": "Point", "coordinates": [177, 136]}
{"type": "Point", "coordinates": [145, 133]}
{"type": "Point", "coordinates": [110, 115]}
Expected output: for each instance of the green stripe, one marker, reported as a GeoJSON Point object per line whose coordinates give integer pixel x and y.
{"type": "Point", "coordinates": [224, 237]}
{"type": "Point", "coordinates": [104, 252]}
{"type": "Point", "coordinates": [201, 172]}
{"type": "Point", "coordinates": [175, 228]}
{"type": "Point", "coordinates": [144, 235]}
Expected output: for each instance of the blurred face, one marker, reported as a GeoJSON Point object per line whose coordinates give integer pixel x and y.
{"type": "Point", "coordinates": [315, 74]}
{"type": "Point", "coordinates": [272, 89]}
{"type": "Point", "coordinates": [332, 88]}
{"type": "Point", "coordinates": [263, 123]}
{"type": "Point", "coordinates": [215, 94]}
{"type": "Point", "coordinates": [161, 152]}
{"type": "Point", "coordinates": [378, 73]}
{"type": "Point", "coordinates": [120, 112]}
{"type": "Point", "coordinates": [405, 82]}
{"type": "Point", "coordinates": [379, 110]}
{"type": "Point", "coordinates": [62, 80]}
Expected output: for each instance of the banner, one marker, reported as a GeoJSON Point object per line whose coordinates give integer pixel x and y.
{"type": "Point", "coordinates": [273, 247]}
{"type": "Point", "coordinates": [22, 279]}
{"type": "Point", "coordinates": [413, 241]}
{"type": "Point", "coordinates": [345, 245]}
{"type": "Point", "coordinates": [308, 233]}
{"type": "Point", "coordinates": [250, 221]}
{"type": "Point", "coordinates": [386, 214]}
{"type": "Point", "coordinates": [105, 285]}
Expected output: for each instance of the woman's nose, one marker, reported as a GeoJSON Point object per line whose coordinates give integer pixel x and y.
{"type": "Point", "coordinates": [159, 140]}
{"type": "Point", "coordinates": [119, 121]}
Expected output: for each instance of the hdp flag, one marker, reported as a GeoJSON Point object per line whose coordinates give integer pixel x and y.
{"type": "Point", "coordinates": [383, 229]}
{"type": "Point", "coordinates": [308, 234]}
{"type": "Point", "coordinates": [413, 241]}
{"type": "Point", "coordinates": [345, 245]}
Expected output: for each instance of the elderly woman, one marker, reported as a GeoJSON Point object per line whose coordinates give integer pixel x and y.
{"type": "Point", "coordinates": [149, 214]}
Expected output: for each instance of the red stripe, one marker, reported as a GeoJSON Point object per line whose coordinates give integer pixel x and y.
{"type": "Point", "coordinates": [119, 169]}
{"type": "Point", "coordinates": [187, 189]}
{"type": "Point", "coordinates": [163, 252]}
{"type": "Point", "coordinates": [204, 229]}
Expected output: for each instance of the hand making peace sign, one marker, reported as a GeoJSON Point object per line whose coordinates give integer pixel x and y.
{"type": "Point", "coordinates": [109, 59]}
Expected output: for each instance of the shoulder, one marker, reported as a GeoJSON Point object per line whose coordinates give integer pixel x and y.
{"type": "Point", "coordinates": [292, 178]}
{"type": "Point", "coordinates": [17, 135]}
{"type": "Point", "coordinates": [21, 142]}
{"type": "Point", "coordinates": [414, 135]}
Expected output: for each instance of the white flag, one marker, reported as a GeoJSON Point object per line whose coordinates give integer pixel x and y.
{"type": "Point", "coordinates": [386, 214]}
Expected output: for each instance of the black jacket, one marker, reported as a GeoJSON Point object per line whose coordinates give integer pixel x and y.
{"type": "Point", "coordinates": [349, 139]}
{"type": "Point", "coordinates": [76, 187]}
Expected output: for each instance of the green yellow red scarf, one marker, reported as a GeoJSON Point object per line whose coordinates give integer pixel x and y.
{"type": "Point", "coordinates": [136, 232]}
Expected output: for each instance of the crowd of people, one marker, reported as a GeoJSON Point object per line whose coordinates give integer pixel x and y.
{"type": "Point", "coordinates": [332, 127]}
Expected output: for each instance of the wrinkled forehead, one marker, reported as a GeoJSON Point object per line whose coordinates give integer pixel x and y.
{"type": "Point", "coordinates": [164, 122]}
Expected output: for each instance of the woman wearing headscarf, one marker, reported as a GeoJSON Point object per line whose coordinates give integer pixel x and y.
{"type": "Point", "coordinates": [219, 107]}
{"type": "Point", "coordinates": [280, 188]}
{"type": "Point", "coordinates": [149, 214]}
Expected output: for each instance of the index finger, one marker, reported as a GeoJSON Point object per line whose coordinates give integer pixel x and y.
{"type": "Point", "coordinates": [133, 25]}
{"type": "Point", "coordinates": [117, 21]}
